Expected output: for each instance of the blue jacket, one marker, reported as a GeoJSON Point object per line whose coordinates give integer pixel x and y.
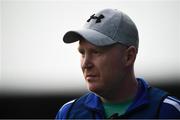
{"type": "Point", "coordinates": [149, 103]}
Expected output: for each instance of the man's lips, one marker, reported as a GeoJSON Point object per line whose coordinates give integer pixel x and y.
{"type": "Point", "coordinates": [90, 77]}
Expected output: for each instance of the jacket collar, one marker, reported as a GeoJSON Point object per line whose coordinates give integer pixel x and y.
{"type": "Point", "coordinates": [141, 98]}
{"type": "Point", "coordinates": [93, 101]}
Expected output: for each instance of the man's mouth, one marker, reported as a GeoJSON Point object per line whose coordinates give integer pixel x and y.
{"type": "Point", "coordinates": [90, 77]}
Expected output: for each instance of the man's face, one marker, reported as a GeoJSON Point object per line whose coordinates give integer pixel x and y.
{"type": "Point", "coordinates": [103, 67]}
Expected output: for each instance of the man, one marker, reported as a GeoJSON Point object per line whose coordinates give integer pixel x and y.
{"type": "Point", "coordinates": [108, 45]}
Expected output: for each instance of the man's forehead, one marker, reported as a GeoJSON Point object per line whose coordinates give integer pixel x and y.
{"type": "Point", "coordinates": [85, 44]}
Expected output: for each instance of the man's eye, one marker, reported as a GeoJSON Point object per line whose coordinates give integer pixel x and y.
{"type": "Point", "coordinates": [81, 52]}
{"type": "Point", "coordinates": [96, 52]}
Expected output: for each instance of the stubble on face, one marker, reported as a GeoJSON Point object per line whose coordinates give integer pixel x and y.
{"type": "Point", "coordinates": [102, 66]}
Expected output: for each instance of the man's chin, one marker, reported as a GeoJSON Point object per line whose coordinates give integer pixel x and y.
{"type": "Point", "coordinates": [92, 87]}
{"type": "Point", "coordinates": [96, 89]}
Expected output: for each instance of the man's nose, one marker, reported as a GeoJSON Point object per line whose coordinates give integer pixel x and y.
{"type": "Point", "coordinates": [86, 62]}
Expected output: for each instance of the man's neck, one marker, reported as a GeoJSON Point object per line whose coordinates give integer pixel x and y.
{"type": "Point", "coordinates": [126, 91]}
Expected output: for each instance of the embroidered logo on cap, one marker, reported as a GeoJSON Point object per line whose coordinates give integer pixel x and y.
{"type": "Point", "coordinates": [98, 19]}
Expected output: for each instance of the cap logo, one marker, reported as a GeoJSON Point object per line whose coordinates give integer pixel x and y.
{"type": "Point", "coordinates": [98, 19]}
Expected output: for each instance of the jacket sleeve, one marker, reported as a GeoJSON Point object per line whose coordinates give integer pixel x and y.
{"type": "Point", "coordinates": [62, 113]}
{"type": "Point", "coordinates": [170, 108]}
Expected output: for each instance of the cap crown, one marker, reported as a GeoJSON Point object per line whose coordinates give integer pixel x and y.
{"type": "Point", "coordinates": [114, 24]}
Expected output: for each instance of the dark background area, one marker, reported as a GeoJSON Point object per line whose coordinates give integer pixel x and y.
{"type": "Point", "coordinates": [46, 105]}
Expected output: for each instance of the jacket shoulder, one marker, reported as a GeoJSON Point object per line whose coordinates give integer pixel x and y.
{"type": "Point", "coordinates": [62, 113]}
{"type": "Point", "coordinates": [170, 108]}
{"type": "Point", "coordinates": [72, 106]}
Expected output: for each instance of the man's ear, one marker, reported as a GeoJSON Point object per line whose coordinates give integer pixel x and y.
{"type": "Point", "coordinates": [130, 55]}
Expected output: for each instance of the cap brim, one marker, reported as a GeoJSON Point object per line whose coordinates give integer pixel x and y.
{"type": "Point", "coordinates": [92, 36]}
